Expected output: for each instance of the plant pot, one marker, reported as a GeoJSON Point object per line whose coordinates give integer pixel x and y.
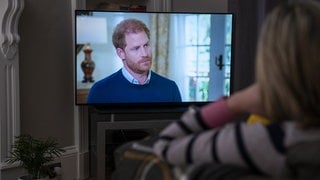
{"type": "Point", "coordinates": [27, 177]}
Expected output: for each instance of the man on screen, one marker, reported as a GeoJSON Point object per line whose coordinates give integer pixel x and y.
{"type": "Point", "coordinates": [134, 82]}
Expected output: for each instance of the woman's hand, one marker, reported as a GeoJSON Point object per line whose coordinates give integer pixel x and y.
{"type": "Point", "coordinates": [247, 100]}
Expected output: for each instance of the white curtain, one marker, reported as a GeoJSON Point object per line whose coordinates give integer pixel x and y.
{"type": "Point", "coordinates": [160, 42]}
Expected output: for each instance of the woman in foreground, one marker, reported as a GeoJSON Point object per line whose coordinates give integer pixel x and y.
{"type": "Point", "coordinates": [286, 91]}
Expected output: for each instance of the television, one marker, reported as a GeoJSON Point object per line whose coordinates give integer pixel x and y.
{"type": "Point", "coordinates": [193, 50]}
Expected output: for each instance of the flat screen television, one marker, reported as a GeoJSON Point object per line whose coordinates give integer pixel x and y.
{"type": "Point", "coordinates": [193, 50]}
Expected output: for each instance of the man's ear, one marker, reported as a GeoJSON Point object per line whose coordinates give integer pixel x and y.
{"type": "Point", "coordinates": [121, 53]}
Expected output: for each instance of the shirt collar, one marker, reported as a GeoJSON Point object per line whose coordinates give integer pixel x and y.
{"type": "Point", "coordinates": [133, 80]}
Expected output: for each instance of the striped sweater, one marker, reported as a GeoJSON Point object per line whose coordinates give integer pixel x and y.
{"type": "Point", "coordinates": [196, 139]}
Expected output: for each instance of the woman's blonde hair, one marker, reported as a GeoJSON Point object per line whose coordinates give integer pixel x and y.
{"type": "Point", "coordinates": [288, 63]}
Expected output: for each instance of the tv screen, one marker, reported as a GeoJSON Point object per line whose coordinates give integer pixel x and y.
{"type": "Point", "coordinates": [184, 59]}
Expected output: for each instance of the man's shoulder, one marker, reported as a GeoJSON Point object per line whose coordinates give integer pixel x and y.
{"type": "Point", "coordinates": [109, 79]}
{"type": "Point", "coordinates": [159, 77]}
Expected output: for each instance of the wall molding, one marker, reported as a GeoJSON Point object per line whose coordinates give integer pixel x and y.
{"type": "Point", "coordinates": [81, 129]}
{"type": "Point", "coordinates": [10, 11]}
{"type": "Point", "coordinates": [9, 27]}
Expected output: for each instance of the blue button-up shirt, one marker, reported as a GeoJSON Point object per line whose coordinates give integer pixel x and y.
{"type": "Point", "coordinates": [133, 80]}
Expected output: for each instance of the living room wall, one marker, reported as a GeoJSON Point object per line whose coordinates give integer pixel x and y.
{"type": "Point", "coordinates": [46, 70]}
{"type": "Point", "coordinates": [45, 74]}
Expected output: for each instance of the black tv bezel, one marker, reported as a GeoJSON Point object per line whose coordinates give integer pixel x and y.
{"type": "Point", "coordinates": [150, 106]}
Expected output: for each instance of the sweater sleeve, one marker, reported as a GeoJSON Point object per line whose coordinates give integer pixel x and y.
{"type": "Point", "coordinates": [249, 146]}
{"type": "Point", "coordinates": [206, 135]}
{"type": "Point", "coordinates": [194, 120]}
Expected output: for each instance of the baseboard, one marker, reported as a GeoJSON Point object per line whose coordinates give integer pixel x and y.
{"type": "Point", "coordinates": [74, 165]}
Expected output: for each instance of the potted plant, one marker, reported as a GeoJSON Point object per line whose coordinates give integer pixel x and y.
{"type": "Point", "coordinates": [34, 155]}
